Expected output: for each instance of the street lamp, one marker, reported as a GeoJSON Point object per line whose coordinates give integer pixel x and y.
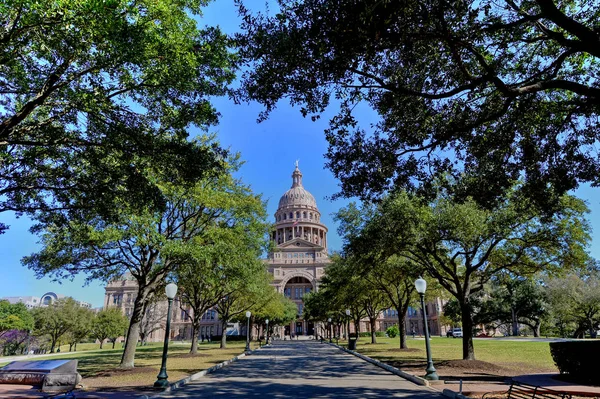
{"type": "Point", "coordinates": [162, 381]}
{"type": "Point", "coordinates": [348, 324]}
{"type": "Point", "coordinates": [248, 314]}
{"type": "Point", "coordinates": [267, 321]}
{"type": "Point", "coordinates": [421, 286]}
{"type": "Point", "coordinates": [329, 321]}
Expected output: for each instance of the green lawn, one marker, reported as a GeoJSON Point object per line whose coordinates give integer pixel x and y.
{"type": "Point", "coordinates": [520, 356]}
{"type": "Point", "coordinates": [99, 367]}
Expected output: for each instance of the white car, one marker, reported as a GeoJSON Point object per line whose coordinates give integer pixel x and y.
{"type": "Point", "coordinates": [455, 332]}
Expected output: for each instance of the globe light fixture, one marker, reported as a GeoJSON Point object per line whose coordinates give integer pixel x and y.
{"type": "Point", "coordinates": [162, 380]}
{"type": "Point", "coordinates": [329, 321]}
{"type": "Point", "coordinates": [421, 287]}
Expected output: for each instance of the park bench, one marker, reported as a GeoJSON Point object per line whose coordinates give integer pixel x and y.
{"type": "Point", "coordinates": [524, 391]}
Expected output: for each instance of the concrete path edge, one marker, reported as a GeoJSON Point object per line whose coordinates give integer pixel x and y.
{"type": "Point", "coordinates": [387, 367]}
{"type": "Point", "coordinates": [195, 376]}
{"type": "Point", "coordinates": [453, 395]}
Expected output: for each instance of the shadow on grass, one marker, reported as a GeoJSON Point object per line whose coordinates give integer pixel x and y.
{"type": "Point", "coordinates": [94, 364]}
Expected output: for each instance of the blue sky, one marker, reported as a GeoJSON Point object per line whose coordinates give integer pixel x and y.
{"type": "Point", "coordinates": [269, 149]}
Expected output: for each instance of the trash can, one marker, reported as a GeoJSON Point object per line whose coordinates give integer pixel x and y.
{"type": "Point", "coordinates": [352, 343]}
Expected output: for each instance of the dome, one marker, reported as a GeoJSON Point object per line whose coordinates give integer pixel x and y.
{"type": "Point", "coordinates": [297, 196]}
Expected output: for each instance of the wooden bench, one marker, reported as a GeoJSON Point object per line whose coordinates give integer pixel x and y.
{"type": "Point", "coordinates": [524, 391]}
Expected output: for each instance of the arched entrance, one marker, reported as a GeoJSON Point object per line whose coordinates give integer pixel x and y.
{"type": "Point", "coordinates": [295, 289]}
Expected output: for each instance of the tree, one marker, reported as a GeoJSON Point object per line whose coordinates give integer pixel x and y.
{"type": "Point", "coordinates": [154, 319]}
{"type": "Point", "coordinates": [491, 91]}
{"type": "Point", "coordinates": [14, 317]}
{"type": "Point", "coordinates": [515, 300]}
{"type": "Point", "coordinates": [244, 294]}
{"type": "Point", "coordinates": [150, 245]}
{"type": "Point", "coordinates": [463, 245]}
{"type": "Point", "coordinates": [576, 298]}
{"type": "Point", "coordinates": [82, 325]}
{"type": "Point", "coordinates": [95, 94]}
{"type": "Point", "coordinates": [56, 320]}
{"type": "Point", "coordinates": [227, 252]}
{"type": "Point", "coordinates": [109, 323]}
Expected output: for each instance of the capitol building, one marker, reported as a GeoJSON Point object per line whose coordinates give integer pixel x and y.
{"type": "Point", "coordinates": [297, 262]}
{"type": "Point", "coordinates": [300, 255]}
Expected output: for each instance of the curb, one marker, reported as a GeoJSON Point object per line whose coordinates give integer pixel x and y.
{"type": "Point", "coordinates": [453, 395]}
{"type": "Point", "coordinates": [178, 384]}
{"type": "Point", "coordinates": [387, 367]}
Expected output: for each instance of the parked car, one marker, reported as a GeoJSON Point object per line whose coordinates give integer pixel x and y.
{"type": "Point", "coordinates": [455, 333]}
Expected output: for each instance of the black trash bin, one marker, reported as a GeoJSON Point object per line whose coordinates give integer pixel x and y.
{"type": "Point", "coordinates": [352, 343]}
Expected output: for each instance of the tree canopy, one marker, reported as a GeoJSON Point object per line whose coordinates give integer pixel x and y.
{"type": "Point", "coordinates": [14, 317]}
{"type": "Point", "coordinates": [463, 245]}
{"type": "Point", "coordinates": [488, 91]}
{"type": "Point", "coordinates": [96, 97]}
{"type": "Point", "coordinates": [148, 245]}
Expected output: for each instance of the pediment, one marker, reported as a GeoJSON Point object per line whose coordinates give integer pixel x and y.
{"type": "Point", "coordinates": [298, 243]}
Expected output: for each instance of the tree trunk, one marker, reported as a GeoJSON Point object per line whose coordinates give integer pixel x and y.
{"type": "Point", "coordinates": [52, 346]}
{"type": "Point", "coordinates": [402, 330]}
{"type": "Point", "coordinates": [515, 323]}
{"type": "Point", "coordinates": [195, 328]}
{"type": "Point", "coordinates": [373, 335]}
{"type": "Point", "coordinates": [536, 330]}
{"type": "Point", "coordinates": [357, 329]}
{"type": "Point", "coordinates": [133, 333]}
{"type": "Point", "coordinates": [467, 327]}
{"type": "Point", "coordinates": [101, 342]}
{"type": "Point", "coordinates": [70, 347]}
{"type": "Point", "coordinates": [75, 346]}
{"type": "Point", "coordinates": [223, 334]}
{"type": "Point", "coordinates": [114, 342]}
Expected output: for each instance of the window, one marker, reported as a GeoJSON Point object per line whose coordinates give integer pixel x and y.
{"type": "Point", "coordinates": [129, 298]}
{"type": "Point", "coordinates": [291, 215]}
{"type": "Point", "coordinates": [306, 289]}
{"type": "Point", "coordinates": [304, 215]}
{"type": "Point", "coordinates": [297, 215]}
{"type": "Point", "coordinates": [183, 315]}
{"type": "Point", "coordinates": [287, 292]}
{"type": "Point", "coordinates": [310, 215]}
{"type": "Point", "coordinates": [284, 216]}
{"type": "Point", "coordinates": [300, 308]}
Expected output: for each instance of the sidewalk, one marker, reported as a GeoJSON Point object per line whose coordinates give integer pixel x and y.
{"type": "Point", "coordinates": [476, 390]}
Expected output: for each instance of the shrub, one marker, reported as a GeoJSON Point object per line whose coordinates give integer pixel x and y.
{"type": "Point", "coordinates": [577, 359]}
{"type": "Point", "coordinates": [392, 331]}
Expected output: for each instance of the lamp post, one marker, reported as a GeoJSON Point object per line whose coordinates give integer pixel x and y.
{"type": "Point", "coordinates": [162, 377]}
{"type": "Point", "coordinates": [348, 324]}
{"type": "Point", "coordinates": [267, 321]}
{"type": "Point", "coordinates": [248, 314]}
{"type": "Point", "coordinates": [421, 286]}
{"type": "Point", "coordinates": [329, 321]}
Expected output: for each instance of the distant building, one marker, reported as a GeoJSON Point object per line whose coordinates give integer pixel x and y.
{"type": "Point", "coordinates": [45, 300]}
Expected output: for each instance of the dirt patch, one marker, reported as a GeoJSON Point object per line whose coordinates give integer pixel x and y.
{"type": "Point", "coordinates": [406, 350]}
{"type": "Point", "coordinates": [117, 371]}
{"type": "Point", "coordinates": [473, 365]}
{"type": "Point", "coordinates": [187, 355]}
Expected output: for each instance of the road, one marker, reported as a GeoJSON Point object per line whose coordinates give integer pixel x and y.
{"type": "Point", "coordinates": [302, 369]}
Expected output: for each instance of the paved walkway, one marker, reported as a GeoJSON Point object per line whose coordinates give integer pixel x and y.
{"type": "Point", "coordinates": [302, 369]}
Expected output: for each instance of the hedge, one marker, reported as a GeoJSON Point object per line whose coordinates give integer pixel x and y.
{"type": "Point", "coordinates": [577, 359]}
